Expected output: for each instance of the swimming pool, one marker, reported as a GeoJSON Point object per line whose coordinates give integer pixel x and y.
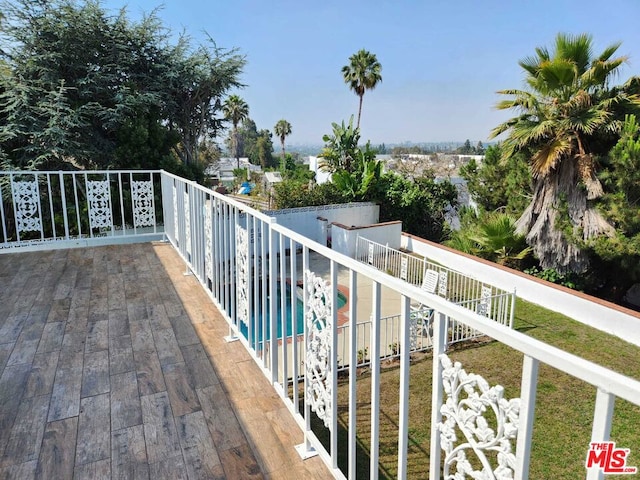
{"type": "Point", "coordinates": [257, 319]}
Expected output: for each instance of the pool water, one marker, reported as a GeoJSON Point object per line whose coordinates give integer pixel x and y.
{"type": "Point", "coordinates": [256, 317]}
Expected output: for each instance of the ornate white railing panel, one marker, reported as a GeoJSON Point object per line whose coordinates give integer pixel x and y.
{"type": "Point", "coordinates": [44, 210]}
{"type": "Point", "coordinates": [318, 346]}
{"type": "Point", "coordinates": [144, 213]}
{"type": "Point", "coordinates": [469, 400]}
{"type": "Point", "coordinates": [26, 199]}
{"type": "Point", "coordinates": [99, 197]}
{"type": "Point", "coordinates": [242, 275]}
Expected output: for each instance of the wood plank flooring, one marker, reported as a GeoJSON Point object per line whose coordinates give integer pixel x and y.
{"type": "Point", "coordinates": [113, 365]}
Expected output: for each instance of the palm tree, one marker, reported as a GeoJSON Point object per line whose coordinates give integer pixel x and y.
{"type": "Point", "coordinates": [235, 110]}
{"type": "Point", "coordinates": [568, 115]}
{"type": "Point", "coordinates": [492, 236]}
{"type": "Point", "coordinates": [362, 74]}
{"type": "Point", "coordinates": [282, 129]}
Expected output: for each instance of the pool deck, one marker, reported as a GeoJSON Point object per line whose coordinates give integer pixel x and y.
{"type": "Point", "coordinates": [113, 365]}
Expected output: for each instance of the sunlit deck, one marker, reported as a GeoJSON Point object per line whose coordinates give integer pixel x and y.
{"type": "Point", "coordinates": [113, 365]}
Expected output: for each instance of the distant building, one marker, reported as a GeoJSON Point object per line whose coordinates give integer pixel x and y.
{"type": "Point", "coordinates": [221, 172]}
{"type": "Point", "coordinates": [322, 176]}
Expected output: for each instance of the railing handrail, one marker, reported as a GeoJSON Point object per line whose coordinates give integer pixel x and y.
{"type": "Point", "coordinates": [88, 172]}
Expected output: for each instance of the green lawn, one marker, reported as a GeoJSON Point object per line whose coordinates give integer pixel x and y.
{"type": "Point", "coordinates": [564, 407]}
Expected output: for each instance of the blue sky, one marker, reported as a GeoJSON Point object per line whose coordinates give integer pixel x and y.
{"type": "Point", "coordinates": [442, 61]}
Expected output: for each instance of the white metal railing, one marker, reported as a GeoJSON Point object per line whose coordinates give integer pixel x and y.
{"type": "Point", "coordinates": [68, 208]}
{"type": "Point", "coordinates": [249, 265]}
{"type": "Point", "coordinates": [457, 287]}
{"type": "Point", "coordinates": [243, 258]}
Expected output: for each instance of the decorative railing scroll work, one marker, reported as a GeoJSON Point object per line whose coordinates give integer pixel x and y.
{"type": "Point", "coordinates": [27, 208]}
{"type": "Point", "coordinates": [318, 348]}
{"type": "Point", "coordinates": [468, 399]}
{"type": "Point", "coordinates": [99, 198]}
{"type": "Point", "coordinates": [242, 274]}
{"type": "Point", "coordinates": [144, 214]}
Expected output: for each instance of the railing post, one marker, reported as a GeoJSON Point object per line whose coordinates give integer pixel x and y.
{"type": "Point", "coordinates": [527, 409]}
{"type": "Point", "coordinates": [512, 310]}
{"type": "Point", "coordinates": [273, 302]}
{"type": "Point", "coordinates": [601, 428]}
{"type": "Point", "coordinates": [405, 351]}
{"type": "Point", "coordinates": [439, 333]}
{"type": "Point", "coordinates": [375, 382]}
{"type": "Point", "coordinates": [353, 371]}
{"type": "Point", "coordinates": [333, 368]}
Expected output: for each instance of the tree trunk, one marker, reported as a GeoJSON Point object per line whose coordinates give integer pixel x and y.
{"type": "Point", "coordinates": [555, 196]}
{"type": "Point", "coordinates": [283, 163]}
{"type": "Point", "coordinates": [359, 110]}
{"type": "Point", "coordinates": [235, 146]}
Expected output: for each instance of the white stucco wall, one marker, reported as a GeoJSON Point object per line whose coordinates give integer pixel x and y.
{"type": "Point", "coordinates": [344, 240]}
{"type": "Point", "coordinates": [596, 313]}
{"type": "Point", "coordinates": [305, 220]}
{"type": "Point", "coordinates": [322, 176]}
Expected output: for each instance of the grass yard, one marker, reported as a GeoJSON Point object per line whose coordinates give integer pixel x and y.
{"type": "Point", "coordinates": [564, 406]}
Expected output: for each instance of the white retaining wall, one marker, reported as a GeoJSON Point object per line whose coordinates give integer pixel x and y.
{"type": "Point", "coordinates": [591, 311]}
{"type": "Point", "coordinates": [345, 239]}
{"type": "Point", "coordinates": [305, 220]}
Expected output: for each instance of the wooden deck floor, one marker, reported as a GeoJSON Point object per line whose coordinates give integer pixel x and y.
{"type": "Point", "coordinates": [112, 365]}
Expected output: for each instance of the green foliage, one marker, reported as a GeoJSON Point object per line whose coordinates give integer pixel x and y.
{"type": "Point", "coordinates": [421, 204]}
{"type": "Point", "coordinates": [254, 144]}
{"type": "Point", "coordinates": [282, 130]}
{"type": "Point", "coordinates": [568, 114]}
{"type": "Point", "coordinates": [618, 255]}
{"type": "Point", "coordinates": [82, 87]}
{"type": "Point", "coordinates": [341, 148]}
{"type": "Point", "coordinates": [262, 152]}
{"type": "Point", "coordinates": [492, 236]}
{"type": "Point", "coordinates": [295, 193]}
{"type": "Point", "coordinates": [499, 184]}
{"type": "Point", "coordinates": [358, 184]}
{"type": "Point", "coordinates": [235, 110]}
{"type": "Point", "coordinates": [466, 149]}
{"type": "Point", "coordinates": [294, 170]}
{"type": "Point", "coordinates": [553, 276]}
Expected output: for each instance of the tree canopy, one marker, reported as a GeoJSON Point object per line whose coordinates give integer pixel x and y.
{"type": "Point", "coordinates": [81, 87]}
{"type": "Point", "coordinates": [499, 184]}
{"type": "Point", "coordinates": [568, 116]}
{"type": "Point", "coordinates": [282, 130]}
{"type": "Point", "coordinates": [235, 110]}
{"type": "Point", "coordinates": [361, 74]}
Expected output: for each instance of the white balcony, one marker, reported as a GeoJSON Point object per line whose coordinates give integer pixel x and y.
{"type": "Point", "coordinates": [114, 358]}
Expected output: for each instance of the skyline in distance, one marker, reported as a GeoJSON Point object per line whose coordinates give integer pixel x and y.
{"type": "Point", "coordinates": [441, 63]}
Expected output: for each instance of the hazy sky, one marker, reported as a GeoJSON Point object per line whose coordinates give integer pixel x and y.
{"type": "Point", "coordinates": [442, 61]}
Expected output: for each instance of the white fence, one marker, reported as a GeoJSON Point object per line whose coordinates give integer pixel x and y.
{"type": "Point", "coordinates": [478, 296]}
{"type": "Point", "coordinates": [230, 249]}
{"type": "Point", "coordinates": [62, 209]}
{"type": "Point", "coordinates": [238, 281]}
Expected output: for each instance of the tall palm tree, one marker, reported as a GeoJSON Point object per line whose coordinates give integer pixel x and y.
{"type": "Point", "coordinates": [568, 115]}
{"type": "Point", "coordinates": [282, 130]}
{"type": "Point", "coordinates": [235, 110]}
{"type": "Point", "coordinates": [362, 74]}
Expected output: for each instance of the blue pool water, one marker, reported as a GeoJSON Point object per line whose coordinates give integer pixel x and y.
{"type": "Point", "coordinates": [256, 319]}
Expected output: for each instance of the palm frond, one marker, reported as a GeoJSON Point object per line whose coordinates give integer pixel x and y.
{"type": "Point", "coordinates": [549, 155]}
